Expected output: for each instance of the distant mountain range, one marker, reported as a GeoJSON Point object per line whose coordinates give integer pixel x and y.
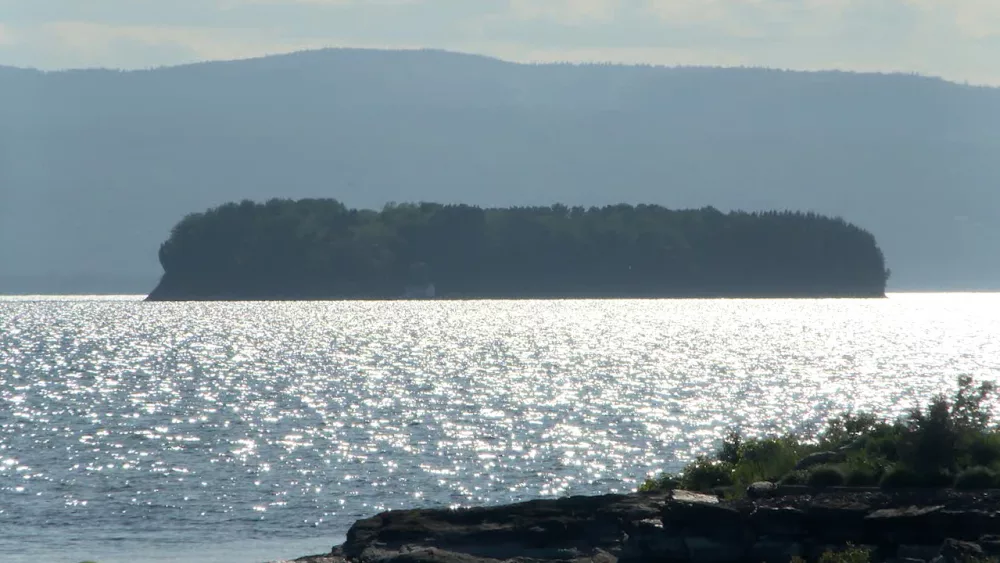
{"type": "Point", "coordinates": [96, 166]}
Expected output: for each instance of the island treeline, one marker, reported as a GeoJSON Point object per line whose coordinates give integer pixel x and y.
{"type": "Point", "coordinates": [319, 248]}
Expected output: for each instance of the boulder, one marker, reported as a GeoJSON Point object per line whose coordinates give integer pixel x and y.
{"type": "Point", "coordinates": [648, 540]}
{"type": "Point", "coordinates": [762, 489]}
{"type": "Point", "coordinates": [829, 520]}
{"type": "Point", "coordinates": [702, 549]}
{"type": "Point", "coordinates": [855, 445]}
{"type": "Point", "coordinates": [688, 496]}
{"type": "Point", "coordinates": [906, 525]}
{"type": "Point", "coordinates": [990, 544]}
{"type": "Point", "coordinates": [924, 552]}
{"type": "Point", "coordinates": [568, 529]}
{"type": "Point", "coordinates": [697, 517]}
{"type": "Point", "coordinates": [775, 551]}
{"type": "Point", "coordinates": [970, 524]}
{"type": "Point", "coordinates": [778, 522]}
{"type": "Point", "coordinates": [958, 551]}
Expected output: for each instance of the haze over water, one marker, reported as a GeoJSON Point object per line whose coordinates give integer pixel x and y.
{"type": "Point", "coordinates": [241, 432]}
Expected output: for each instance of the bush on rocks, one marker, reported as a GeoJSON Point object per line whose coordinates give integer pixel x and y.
{"type": "Point", "coordinates": [703, 474]}
{"type": "Point", "coordinates": [976, 478]}
{"type": "Point", "coordinates": [900, 477]}
{"type": "Point", "coordinates": [852, 554]}
{"type": "Point", "coordinates": [665, 482]}
{"type": "Point", "coordinates": [862, 470]}
{"type": "Point", "coordinates": [861, 477]}
{"type": "Point", "coordinates": [925, 448]}
{"type": "Point", "coordinates": [825, 476]}
{"type": "Point", "coordinates": [984, 450]}
{"type": "Point", "coordinates": [706, 474]}
{"type": "Point", "coordinates": [938, 479]}
{"type": "Point", "coordinates": [795, 478]}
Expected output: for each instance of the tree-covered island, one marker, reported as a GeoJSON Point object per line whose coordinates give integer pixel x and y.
{"type": "Point", "coordinates": [320, 249]}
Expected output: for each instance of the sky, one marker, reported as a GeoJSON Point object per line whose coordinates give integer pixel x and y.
{"type": "Point", "coordinates": [955, 39]}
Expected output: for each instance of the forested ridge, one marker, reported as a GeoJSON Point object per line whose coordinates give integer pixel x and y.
{"type": "Point", "coordinates": [97, 166]}
{"type": "Point", "coordinates": [319, 248]}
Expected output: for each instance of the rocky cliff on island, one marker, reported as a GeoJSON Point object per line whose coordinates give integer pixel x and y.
{"type": "Point", "coordinates": [776, 524]}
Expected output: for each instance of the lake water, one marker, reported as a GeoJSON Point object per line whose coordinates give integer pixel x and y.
{"type": "Point", "coordinates": [246, 432]}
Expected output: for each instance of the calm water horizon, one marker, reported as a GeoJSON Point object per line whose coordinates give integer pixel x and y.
{"type": "Point", "coordinates": [246, 432]}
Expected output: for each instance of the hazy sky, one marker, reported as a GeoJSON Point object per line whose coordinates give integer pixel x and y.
{"type": "Point", "coordinates": [957, 39]}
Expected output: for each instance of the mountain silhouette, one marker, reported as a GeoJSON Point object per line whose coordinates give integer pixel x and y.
{"type": "Point", "coordinates": [96, 166]}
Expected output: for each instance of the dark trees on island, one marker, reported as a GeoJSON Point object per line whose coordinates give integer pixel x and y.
{"type": "Point", "coordinates": [318, 248]}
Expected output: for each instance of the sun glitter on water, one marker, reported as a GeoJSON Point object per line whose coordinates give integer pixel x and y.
{"type": "Point", "coordinates": [127, 423]}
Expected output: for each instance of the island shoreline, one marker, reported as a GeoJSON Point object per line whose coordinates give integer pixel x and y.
{"type": "Point", "coordinates": [683, 526]}
{"type": "Point", "coordinates": [286, 250]}
{"type": "Point", "coordinates": [154, 298]}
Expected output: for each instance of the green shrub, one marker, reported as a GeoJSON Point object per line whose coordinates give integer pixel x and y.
{"type": "Point", "coordinates": [969, 408]}
{"type": "Point", "coordinates": [861, 477]}
{"type": "Point", "coordinates": [795, 478]}
{"type": "Point", "coordinates": [900, 477]}
{"type": "Point", "coordinates": [932, 440]}
{"type": "Point", "coordinates": [732, 448]}
{"type": "Point", "coordinates": [779, 454]}
{"type": "Point", "coordinates": [863, 469]}
{"type": "Point", "coordinates": [705, 474]}
{"type": "Point", "coordinates": [983, 449]}
{"type": "Point", "coordinates": [847, 428]}
{"type": "Point", "coordinates": [925, 448]}
{"type": "Point", "coordinates": [852, 554]}
{"type": "Point", "coordinates": [976, 478]}
{"type": "Point", "coordinates": [665, 482]}
{"type": "Point", "coordinates": [883, 443]}
{"type": "Point", "coordinates": [941, 436]}
{"type": "Point", "coordinates": [767, 459]}
{"type": "Point", "coordinates": [937, 479]}
{"type": "Point", "coordinates": [825, 476]}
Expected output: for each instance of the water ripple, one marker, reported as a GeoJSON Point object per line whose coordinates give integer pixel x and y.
{"type": "Point", "coordinates": [205, 422]}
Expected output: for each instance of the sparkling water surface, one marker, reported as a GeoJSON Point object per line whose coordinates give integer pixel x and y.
{"type": "Point", "coordinates": [246, 432]}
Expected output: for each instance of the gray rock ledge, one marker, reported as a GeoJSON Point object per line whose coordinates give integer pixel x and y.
{"type": "Point", "coordinates": [916, 525]}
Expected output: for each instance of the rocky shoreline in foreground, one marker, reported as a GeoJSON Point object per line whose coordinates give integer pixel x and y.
{"type": "Point", "coordinates": [775, 524]}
